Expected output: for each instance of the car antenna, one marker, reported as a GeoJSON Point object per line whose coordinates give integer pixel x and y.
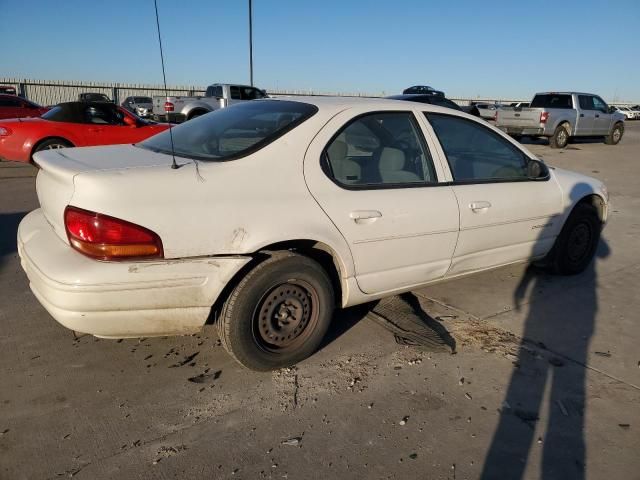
{"type": "Point", "coordinates": [174, 165]}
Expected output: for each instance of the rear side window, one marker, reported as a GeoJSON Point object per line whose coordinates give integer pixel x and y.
{"type": "Point", "coordinates": [10, 102]}
{"type": "Point", "coordinates": [475, 153]}
{"type": "Point", "coordinates": [232, 132]}
{"type": "Point", "coordinates": [214, 91]}
{"type": "Point", "coordinates": [552, 100]}
{"type": "Point", "coordinates": [379, 150]}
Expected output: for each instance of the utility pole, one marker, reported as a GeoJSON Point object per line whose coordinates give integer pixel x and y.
{"type": "Point", "coordinates": [251, 42]}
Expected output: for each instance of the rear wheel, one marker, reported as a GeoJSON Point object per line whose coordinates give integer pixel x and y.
{"type": "Point", "coordinates": [278, 314]}
{"type": "Point", "coordinates": [577, 243]}
{"type": "Point", "coordinates": [53, 144]}
{"type": "Point", "coordinates": [615, 135]}
{"type": "Point", "coordinates": [560, 137]}
{"type": "Point", "coordinates": [197, 113]}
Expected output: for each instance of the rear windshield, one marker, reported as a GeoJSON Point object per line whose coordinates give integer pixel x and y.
{"type": "Point", "coordinates": [552, 100]}
{"type": "Point", "coordinates": [232, 132]}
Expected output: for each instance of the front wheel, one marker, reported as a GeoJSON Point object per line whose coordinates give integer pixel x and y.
{"type": "Point", "coordinates": [615, 135]}
{"type": "Point", "coordinates": [278, 314]}
{"type": "Point", "coordinates": [576, 245]}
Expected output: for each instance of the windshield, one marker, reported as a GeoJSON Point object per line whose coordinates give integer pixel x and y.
{"type": "Point", "coordinates": [234, 131]}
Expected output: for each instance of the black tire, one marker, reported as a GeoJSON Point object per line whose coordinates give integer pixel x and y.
{"type": "Point", "coordinates": [576, 245]}
{"type": "Point", "coordinates": [52, 144]}
{"type": "Point", "coordinates": [560, 137]}
{"type": "Point", "coordinates": [196, 114]}
{"type": "Point", "coordinates": [615, 135]}
{"type": "Point", "coordinates": [278, 314]}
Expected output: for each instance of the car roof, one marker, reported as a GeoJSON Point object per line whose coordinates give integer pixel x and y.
{"type": "Point", "coordinates": [337, 104]}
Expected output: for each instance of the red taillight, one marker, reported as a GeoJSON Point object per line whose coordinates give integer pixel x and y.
{"type": "Point", "coordinates": [544, 116]}
{"type": "Point", "coordinates": [168, 107]}
{"type": "Point", "coordinates": [107, 238]}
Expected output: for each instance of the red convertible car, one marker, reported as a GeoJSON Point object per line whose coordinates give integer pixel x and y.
{"type": "Point", "coordinates": [73, 124]}
{"type": "Point", "coordinates": [12, 106]}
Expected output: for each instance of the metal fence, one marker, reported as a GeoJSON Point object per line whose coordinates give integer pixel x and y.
{"type": "Point", "coordinates": [51, 92]}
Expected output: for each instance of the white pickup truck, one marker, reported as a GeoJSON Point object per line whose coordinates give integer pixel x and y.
{"type": "Point", "coordinates": [562, 115]}
{"type": "Point", "coordinates": [218, 95]}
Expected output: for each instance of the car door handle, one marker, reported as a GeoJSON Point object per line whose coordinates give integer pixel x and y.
{"type": "Point", "coordinates": [365, 216]}
{"type": "Point", "coordinates": [582, 114]}
{"type": "Point", "coordinates": [479, 207]}
{"type": "Point", "coordinates": [597, 116]}
{"type": "Point", "coordinates": [96, 129]}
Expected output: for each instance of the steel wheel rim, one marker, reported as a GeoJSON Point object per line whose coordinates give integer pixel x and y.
{"type": "Point", "coordinates": [55, 146]}
{"type": "Point", "coordinates": [285, 316]}
{"type": "Point", "coordinates": [579, 242]}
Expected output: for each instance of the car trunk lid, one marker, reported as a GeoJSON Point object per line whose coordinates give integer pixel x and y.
{"type": "Point", "coordinates": [58, 169]}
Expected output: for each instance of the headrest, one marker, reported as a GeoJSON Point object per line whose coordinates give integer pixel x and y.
{"type": "Point", "coordinates": [337, 150]}
{"type": "Point", "coordinates": [391, 159]}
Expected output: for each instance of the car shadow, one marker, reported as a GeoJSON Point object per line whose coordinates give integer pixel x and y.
{"type": "Point", "coordinates": [549, 375]}
{"type": "Point", "coordinates": [8, 234]}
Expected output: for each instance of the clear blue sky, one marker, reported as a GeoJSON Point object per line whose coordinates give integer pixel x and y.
{"type": "Point", "coordinates": [507, 49]}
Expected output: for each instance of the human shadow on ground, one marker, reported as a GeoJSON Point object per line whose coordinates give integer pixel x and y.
{"type": "Point", "coordinates": [551, 360]}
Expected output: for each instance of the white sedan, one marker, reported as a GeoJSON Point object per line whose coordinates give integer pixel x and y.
{"type": "Point", "coordinates": [281, 210]}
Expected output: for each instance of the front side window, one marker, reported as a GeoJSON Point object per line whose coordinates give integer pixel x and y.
{"type": "Point", "coordinates": [598, 104]}
{"type": "Point", "coordinates": [232, 132]}
{"type": "Point", "coordinates": [103, 115]}
{"type": "Point", "coordinates": [586, 102]}
{"type": "Point", "coordinates": [235, 92]}
{"type": "Point", "coordinates": [377, 150]}
{"type": "Point", "coordinates": [475, 153]}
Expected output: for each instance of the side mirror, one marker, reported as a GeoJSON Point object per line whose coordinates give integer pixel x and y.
{"type": "Point", "coordinates": [612, 109]}
{"type": "Point", "coordinates": [536, 170]}
{"type": "Point", "coordinates": [130, 121]}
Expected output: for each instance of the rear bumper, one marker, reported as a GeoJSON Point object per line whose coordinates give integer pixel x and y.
{"type": "Point", "coordinates": [120, 299]}
{"type": "Point", "coordinates": [534, 131]}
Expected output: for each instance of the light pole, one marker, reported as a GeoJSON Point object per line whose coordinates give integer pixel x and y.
{"type": "Point", "coordinates": [251, 42]}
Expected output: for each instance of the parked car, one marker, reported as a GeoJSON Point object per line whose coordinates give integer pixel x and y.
{"type": "Point", "coordinates": [562, 115]}
{"type": "Point", "coordinates": [140, 106]}
{"type": "Point", "coordinates": [628, 112]}
{"type": "Point", "coordinates": [7, 90]}
{"type": "Point", "coordinates": [94, 97]}
{"type": "Point", "coordinates": [218, 95]}
{"type": "Point", "coordinates": [422, 89]}
{"type": "Point", "coordinates": [281, 210]}
{"type": "Point", "coordinates": [431, 99]}
{"type": "Point", "coordinates": [73, 124]}
{"type": "Point", "coordinates": [12, 106]}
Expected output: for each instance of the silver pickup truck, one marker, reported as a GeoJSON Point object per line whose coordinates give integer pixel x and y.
{"type": "Point", "coordinates": [562, 115]}
{"type": "Point", "coordinates": [218, 95]}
